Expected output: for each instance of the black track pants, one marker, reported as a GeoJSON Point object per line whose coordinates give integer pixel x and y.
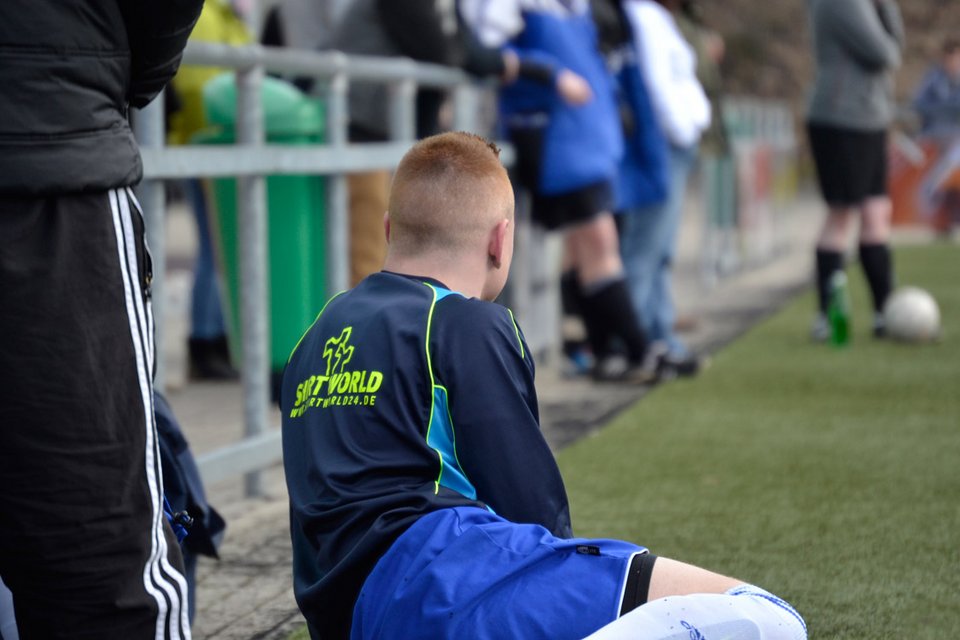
{"type": "Point", "coordinates": [84, 546]}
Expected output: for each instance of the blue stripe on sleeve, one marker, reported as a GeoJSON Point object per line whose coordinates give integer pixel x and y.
{"type": "Point", "coordinates": [442, 439]}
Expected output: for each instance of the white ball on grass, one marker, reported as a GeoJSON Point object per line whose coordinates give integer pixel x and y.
{"type": "Point", "coordinates": [912, 315]}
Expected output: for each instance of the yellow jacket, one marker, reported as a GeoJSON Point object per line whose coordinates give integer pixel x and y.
{"type": "Point", "coordinates": [220, 24]}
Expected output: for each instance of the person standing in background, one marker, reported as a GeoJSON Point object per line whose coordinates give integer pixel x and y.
{"type": "Point", "coordinates": [303, 24]}
{"type": "Point", "coordinates": [937, 102]}
{"type": "Point", "coordinates": [208, 350]}
{"type": "Point", "coordinates": [857, 44]}
{"type": "Point", "coordinates": [649, 235]}
{"type": "Point", "coordinates": [937, 98]}
{"type": "Point", "coordinates": [642, 178]}
{"type": "Point", "coordinates": [84, 545]}
{"type": "Point", "coordinates": [423, 30]}
{"type": "Point", "coordinates": [564, 125]}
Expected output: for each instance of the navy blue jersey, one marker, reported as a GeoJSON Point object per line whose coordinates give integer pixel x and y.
{"type": "Point", "coordinates": [401, 399]}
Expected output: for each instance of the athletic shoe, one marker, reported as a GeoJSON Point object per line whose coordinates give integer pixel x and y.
{"type": "Point", "coordinates": [653, 368]}
{"type": "Point", "coordinates": [879, 325]}
{"type": "Point", "coordinates": [210, 359]}
{"type": "Point", "coordinates": [612, 368]}
{"type": "Point", "coordinates": [687, 365]}
{"type": "Point", "coordinates": [577, 362]}
{"type": "Point", "coordinates": [820, 331]}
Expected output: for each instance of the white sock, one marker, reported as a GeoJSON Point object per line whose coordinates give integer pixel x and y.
{"type": "Point", "coordinates": [742, 613]}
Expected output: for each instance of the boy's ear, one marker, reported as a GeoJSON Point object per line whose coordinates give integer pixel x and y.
{"type": "Point", "coordinates": [498, 242]}
{"type": "Point", "coordinates": [386, 225]}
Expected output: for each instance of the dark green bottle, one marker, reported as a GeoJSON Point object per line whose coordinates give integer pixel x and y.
{"type": "Point", "coordinates": [838, 312]}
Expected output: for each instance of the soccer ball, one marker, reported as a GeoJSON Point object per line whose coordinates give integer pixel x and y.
{"type": "Point", "coordinates": [911, 315]}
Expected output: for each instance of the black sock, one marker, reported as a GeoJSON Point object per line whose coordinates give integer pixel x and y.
{"type": "Point", "coordinates": [828, 262]}
{"type": "Point", "coordinates": [571, 305]}
{"type": "Point", "coordinates": [570, 294]}
{"type": "Point", "coordinates": [877, 264]}
{"type": "Point", "coordinates": [608, 313]}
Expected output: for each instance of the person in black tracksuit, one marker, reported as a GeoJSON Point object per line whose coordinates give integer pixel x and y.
{"type": "Point", "coordinates": [83, 544]}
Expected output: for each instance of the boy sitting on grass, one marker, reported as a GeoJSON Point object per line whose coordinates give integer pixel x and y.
{"type": "Point", "coordinates": [425, 502]}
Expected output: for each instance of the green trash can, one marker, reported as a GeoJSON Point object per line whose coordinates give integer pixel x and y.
{"type": "Point", "coordinates": [295, 214]}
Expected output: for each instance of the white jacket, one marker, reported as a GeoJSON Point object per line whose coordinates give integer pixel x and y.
{"type": "Point", "coordinates": [669, 67]}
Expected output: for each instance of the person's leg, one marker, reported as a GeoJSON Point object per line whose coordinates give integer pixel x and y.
{"type": "Point", "coordinates": [686, 602]}
{"type": "Point", "coordinates": [640, 231]}
{"type": "Point", "coordinates": [830, 249]}
{"type": "Point", "coordinates": [674, 578]}
{"type": "Point", "coordinates": [83, 544]}
{"type": "Point", "coordinates": [662, 311]}
{"type": "Point", "coordinates": [573, 331]}
{"type": "Point", "coordinates": [207, 343]}
{"type": "Point", "coordinates": [607, 308]}
{"type": "Point", "coordinates": [206, 312]}
{"type": "Point", "coordinates": [596, 250]}
{"type": "Point", "coordinates": [835, 153]}
{"type": "Point", "coordinates": [875, 258]}
{"type": "Point", "coordinates": [876, 211]}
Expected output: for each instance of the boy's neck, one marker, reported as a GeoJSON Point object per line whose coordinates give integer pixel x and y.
{"type": "Point", "coordinates": [457, 277]}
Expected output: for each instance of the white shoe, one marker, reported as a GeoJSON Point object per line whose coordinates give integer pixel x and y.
{"type": "Point", "coordinates": [820, 330]}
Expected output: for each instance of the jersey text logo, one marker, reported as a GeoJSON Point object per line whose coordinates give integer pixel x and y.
{"type": "Point", "coordinates": [338, 386]}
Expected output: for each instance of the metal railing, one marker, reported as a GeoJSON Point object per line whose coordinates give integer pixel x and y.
{"type": "Point", "coordinates": [747, 186]}
{"type": "Point", "coordinates": [251, 160]}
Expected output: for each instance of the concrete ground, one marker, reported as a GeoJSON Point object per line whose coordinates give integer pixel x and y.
{"type": "Point", "coordinates": [248, 592]}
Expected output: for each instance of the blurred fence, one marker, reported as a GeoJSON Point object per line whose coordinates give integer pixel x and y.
{"type": "Point", "coordinates": [747, 187]}
{"type": "Point", "coordinates": [761, 167]}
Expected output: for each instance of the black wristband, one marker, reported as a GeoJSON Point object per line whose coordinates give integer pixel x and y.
{"type": "Point", "coordinates": [536, 71]}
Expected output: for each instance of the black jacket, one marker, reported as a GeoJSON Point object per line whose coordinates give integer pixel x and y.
{"type": "Point", "coordinates": [69, 71]}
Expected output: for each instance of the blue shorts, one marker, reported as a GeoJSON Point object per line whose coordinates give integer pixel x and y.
{"type": "Point", "coordinates": [468, 573]}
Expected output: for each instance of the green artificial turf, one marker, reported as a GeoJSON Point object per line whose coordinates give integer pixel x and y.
{"type": "Point", "coordinates": [828, 476]}
{"type": "Point", "coordinates": [300, 634]}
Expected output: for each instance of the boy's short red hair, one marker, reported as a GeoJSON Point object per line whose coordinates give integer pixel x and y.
{"type": "Point", "coordinates": [446, 188]}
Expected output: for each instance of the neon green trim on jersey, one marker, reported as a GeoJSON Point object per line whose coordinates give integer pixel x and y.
{"type": "Point", "coordinates": [516, 328]}
{"type": "Point", "coordinates": [433, 402]}
{"type": "Point", "coordinates": [324, 308]}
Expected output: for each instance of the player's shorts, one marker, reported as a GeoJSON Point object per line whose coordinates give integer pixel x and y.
{"type": "Point", "coordinates": [574, 207]}
{"type": "Point", "coordinates": [465, 572]}
{"type": "Point", "coordinates": [851, 164]}
{"type": "Point", "coordinates": [555, 211]}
